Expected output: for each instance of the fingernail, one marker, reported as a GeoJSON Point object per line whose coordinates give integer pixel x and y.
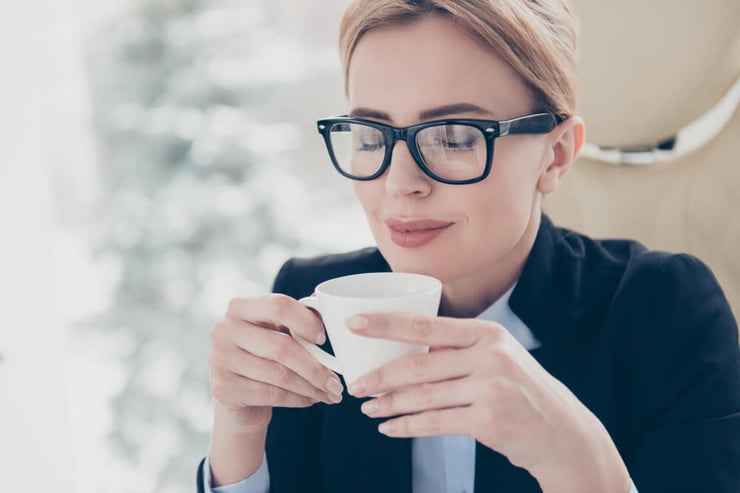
{"type": "Point", "coordinates": [335, 398]}
{"type": "Point", "coordinates": [357, 322]}
{"type": "Point", "coordinates": [369, 407]}
{"type": "Point", "coordinates": [321, 338]}
{"type": "Point", "coordinates": [356, 387]}
{"type": "Point", "coordinates": [334, 386]}
{"type": "Point", "coordinates": [386, 427]}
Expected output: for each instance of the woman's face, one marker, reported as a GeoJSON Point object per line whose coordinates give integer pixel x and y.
{"type": "Point", "coordinates": [431, 70]}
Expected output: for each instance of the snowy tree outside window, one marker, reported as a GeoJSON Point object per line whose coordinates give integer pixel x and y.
{"type": "Point", "coordinates": [212, 175]}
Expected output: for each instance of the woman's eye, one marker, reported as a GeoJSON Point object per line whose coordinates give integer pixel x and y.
{"type": "Point", "coordinates": [458, 145]}
{"type": "Point", "coordinates": [453, 138]}
{"type": "Point", "coordinates": [368, 140]}
{"type": "Point", "coordinates": [370, 146]}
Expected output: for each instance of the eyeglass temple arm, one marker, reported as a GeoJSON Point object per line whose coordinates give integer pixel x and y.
{"type": "Point", "coordinates": [528, 124]}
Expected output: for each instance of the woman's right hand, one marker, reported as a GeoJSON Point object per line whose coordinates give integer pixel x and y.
{"type": "Point", "coordinates": [256, 365]}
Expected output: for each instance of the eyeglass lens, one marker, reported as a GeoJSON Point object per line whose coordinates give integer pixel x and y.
{"type": "Point", "coordinates": [453, 152]}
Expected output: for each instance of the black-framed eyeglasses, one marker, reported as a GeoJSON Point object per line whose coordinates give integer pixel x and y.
{"type": "Point", "coordinates": [455, 151]}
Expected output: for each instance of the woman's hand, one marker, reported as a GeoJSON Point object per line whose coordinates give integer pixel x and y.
{"type": "Point", "coordinates": [256, 365]}
{"type": "Point", "coordinates": [477, 380]}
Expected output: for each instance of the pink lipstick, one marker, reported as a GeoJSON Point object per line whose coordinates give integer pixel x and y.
{"type": "Point", "coordinates": [413, 233]}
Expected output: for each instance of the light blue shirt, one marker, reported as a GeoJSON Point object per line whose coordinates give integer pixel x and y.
{"type": "Point", "coordinates": [441, 464]}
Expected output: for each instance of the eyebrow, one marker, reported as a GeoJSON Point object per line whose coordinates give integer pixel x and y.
{"type": "Point", "coordinates": [441, 111]}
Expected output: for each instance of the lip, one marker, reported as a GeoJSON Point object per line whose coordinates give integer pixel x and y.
{"type": "Point", "coordinates": [414, 233]}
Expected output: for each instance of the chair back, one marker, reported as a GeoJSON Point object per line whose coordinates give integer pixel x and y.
{"type": "Point", "coordinates": [654, 74]}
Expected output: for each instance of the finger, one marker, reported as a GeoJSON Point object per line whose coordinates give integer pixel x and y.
{"type": "Point", "coordinates": [233, 392]}
{"type": "Point", "coordinates": [421, 398]}
{"type": "Point", "coordinates": [277, 310]}
{"type": "Point", "coordinates": [420, 329]}
{"type": "Point", "coordinates": [413, 370]}
{"type": "Point", "coordinates": [282, 348]}
{"type": "Point", "coordinates": [270, 372]}
{"type": "Point", "coordinates": [431, 423]}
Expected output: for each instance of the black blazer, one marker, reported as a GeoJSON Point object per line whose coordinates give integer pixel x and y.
{"type": "Point", "coordinates": [646, 340]}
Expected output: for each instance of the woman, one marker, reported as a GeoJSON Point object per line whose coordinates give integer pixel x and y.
{"type": "Point", "coordinates": [558, 363]}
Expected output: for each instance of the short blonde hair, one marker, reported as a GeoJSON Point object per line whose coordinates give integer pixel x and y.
{"type": "Point", "coordinates": [537, 38]}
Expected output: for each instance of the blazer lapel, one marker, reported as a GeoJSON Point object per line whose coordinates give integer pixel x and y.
{"type": "Point", "coordinates": [357, 457]}
{"type": "Point", "coordinates": [494, 473]}
{"type": "Point", "coordinates": [534, 302]}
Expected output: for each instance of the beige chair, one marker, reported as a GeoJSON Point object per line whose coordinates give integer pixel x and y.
{"type": "Point", "coordinates": [649, 69]}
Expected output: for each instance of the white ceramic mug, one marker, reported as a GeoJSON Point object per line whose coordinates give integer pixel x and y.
{"type": "Point", "coordinates": [378, 292]}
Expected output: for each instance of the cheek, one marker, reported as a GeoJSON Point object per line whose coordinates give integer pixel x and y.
{"type": "Point", "coordinates": [500, 209]}
{"type": "Point", "coordinates": [502, 197]}
{"type": "Point", "coordinates": [368, 194]}
{"type": "Point", "coordinates": [519, 161]}
{"type": "Point", "coordinates": [362, 191]}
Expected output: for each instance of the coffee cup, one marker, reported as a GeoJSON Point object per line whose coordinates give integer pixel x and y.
{"type": "Point", "coordinates": [380, 292]}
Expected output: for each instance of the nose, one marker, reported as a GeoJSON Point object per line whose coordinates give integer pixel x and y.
{"type": "Point", "coordinates": [404, 177]}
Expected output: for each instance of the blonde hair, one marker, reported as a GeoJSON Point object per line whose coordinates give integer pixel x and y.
{"type": "Point", "coordinates": [536, 37]}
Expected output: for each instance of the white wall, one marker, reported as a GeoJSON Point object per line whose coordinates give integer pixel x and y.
{"type": "Point", "coordinates": [35, 443]}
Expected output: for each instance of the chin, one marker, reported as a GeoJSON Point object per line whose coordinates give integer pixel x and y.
{"type": "Point", "coordinates": [418, 262]}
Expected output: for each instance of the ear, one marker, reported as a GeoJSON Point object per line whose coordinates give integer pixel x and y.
{"type": "Point", "coordinates": [564, 145]}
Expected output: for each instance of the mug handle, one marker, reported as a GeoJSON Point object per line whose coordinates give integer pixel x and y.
{"type": "Point", "coordinates": [321, 356]}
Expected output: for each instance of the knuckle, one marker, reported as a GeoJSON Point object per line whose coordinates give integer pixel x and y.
{"type": "Point", "coordinates": [220, 391]}
{"type": "Point", "coordinates": [498, 352]}
{"type": "Point", "coordinates": [283, 375]}
{"type": "Point", "coordinates": [493, 330]}
{"type": "Point", "coordinates": [495, 390]}
{"type": "Point", "coordinates": [281, 305]}
{"type": "Point", "coordinates": [427, 394]}
{"type": "Point", "coordinates": [385, 403]}
{"type": "Point", "coordinates": [234, 306]}
{"type": "Point", "coordinates": [281, 348]}
{"type": "Point", "coordinates": [490, 420]}
{"type": "Point", "coordinates": [390, 402]}
{"type": "Point", "coordinates": [377, 377]}
{"type": "Point", "coordinates": [431, 423]}
{"type": "Point", "coordinates": [274, 395]}
{"type": "Point", "coordinates": [303, 401]}
{"type": "Point", "coordinates": [219, 332]}
{"type": "Point", "coordinates": [421, 326]}
{"type": "Point", "coordinates": [419, 365]}
{"type": "Point", "coordinates": [319, 375]}
{"type": "Point", "coordinates": [216, 360]}
{"type": "Point", "coordinates": [505, 362]}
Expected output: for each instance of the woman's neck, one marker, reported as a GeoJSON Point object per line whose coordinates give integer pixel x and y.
{"type": "Point", "coordinates": [469, 296]}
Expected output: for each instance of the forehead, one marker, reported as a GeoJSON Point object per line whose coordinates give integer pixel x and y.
{"type": "Point", "coordinates": [407, 69]}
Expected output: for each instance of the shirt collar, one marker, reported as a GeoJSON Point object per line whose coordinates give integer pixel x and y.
{"type": "Point", "coordinates": [501, 313]}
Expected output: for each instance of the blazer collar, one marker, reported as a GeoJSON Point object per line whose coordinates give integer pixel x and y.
{"type": "Point", "coordinates": [537, 294]}
{"type": "Point", "coordinates": [556, 292]}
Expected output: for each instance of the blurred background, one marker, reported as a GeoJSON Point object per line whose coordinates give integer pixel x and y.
{"type": "Point", "coordinates": [160, 157]}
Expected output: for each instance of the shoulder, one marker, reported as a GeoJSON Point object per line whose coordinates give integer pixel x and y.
{"type": "Point", "coordinates": [685, 307]}
{"type": "Point", "coordinates": [666, 311]}
{"type": "Point", "coordinates": [298, 276]}
{"type": "Point", "coordinates": [590, 257]}
{"type": "Point", "coordinates": [620, 285]}
{"type": "Point", "coordinates": [675, 279]}
{"type": "Point", "coordinates": [672, 287]}
{"type": "Point", "coordinates": [677, 339]}
{"type": "Point", "coordinates": [617, 268]}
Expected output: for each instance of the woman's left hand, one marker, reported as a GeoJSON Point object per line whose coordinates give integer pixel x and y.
{"type": "Point", "coordinates": [477, 380]}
